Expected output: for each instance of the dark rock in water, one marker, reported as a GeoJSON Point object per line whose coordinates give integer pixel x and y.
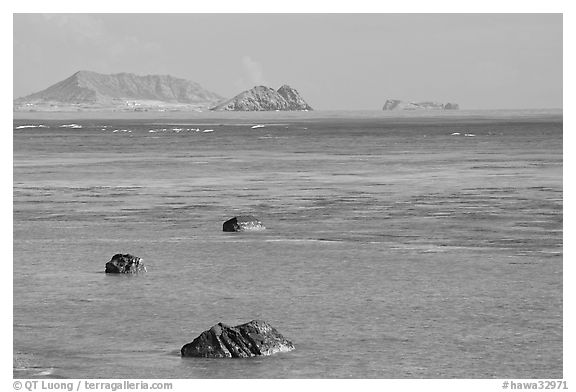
{"type": "Point", "coordinates": [125, 264]}
{"type": "Point", "coordinates": [243, 223]}
{"type": "Point", "coordinates": [242, 341]}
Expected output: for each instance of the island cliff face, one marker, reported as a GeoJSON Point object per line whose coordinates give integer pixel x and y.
{"type": "Point", "coordinates": [86, 89]}
{"type": "Point", "coordinates": [262, 98]}
{"type": "Point", "coordinates": [295, 101]}
{"type": "Point", "coordinates": [396, 104]}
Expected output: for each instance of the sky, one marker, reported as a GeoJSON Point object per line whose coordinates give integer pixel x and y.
{"type": "Point", "coordinates": [335, 61]}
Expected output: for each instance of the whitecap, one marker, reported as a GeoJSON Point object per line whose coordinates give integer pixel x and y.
{"type": "Point", "coordinates": [208, 130]}
{"type": "Point", "coordinates": [70, 126]}
{"type": "Point", "coordinates": [257, 126]}
{"type": "Point", "coordinates": [46, 372]}
{"type": "Point", "coordinates": [32, 126]}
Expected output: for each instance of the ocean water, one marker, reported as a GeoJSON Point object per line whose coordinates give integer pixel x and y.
{"type": "Point", "coordinates": [394, 248]}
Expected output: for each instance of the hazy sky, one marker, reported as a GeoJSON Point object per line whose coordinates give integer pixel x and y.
{"type": "Point", "coordinates": [336, 61]}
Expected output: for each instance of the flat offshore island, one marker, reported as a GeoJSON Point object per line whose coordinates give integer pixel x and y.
{"type": "Point", "coordinates": [397, 245]}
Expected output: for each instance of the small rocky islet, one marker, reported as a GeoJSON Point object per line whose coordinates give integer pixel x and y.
{"type": "Point", "coordinates": [262, 98]}
{"type": "Point", "coordinates": [397, 104]}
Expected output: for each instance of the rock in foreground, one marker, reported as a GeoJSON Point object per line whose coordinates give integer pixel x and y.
{"type": "Point", "coordinates": [243, 223]}
{"type": "Point", "coordinates": [242, 341]}
{"type": "Point", "coordinates": [125, 264]}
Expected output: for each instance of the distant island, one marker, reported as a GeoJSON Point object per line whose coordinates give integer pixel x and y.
{"type": "Point", "coordinates": [262, 98]}
{"type": "Point", "coordinates": [86, 90]}
{"type": "Point", "coordinates": [92, 91]}
{"type": "Point", "coordinates": [396, 104]}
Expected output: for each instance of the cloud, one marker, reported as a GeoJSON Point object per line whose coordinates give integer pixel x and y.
{"type": "Point", "coordinates": [253, 71]}
{"type": "Point", "coordinates": [99, 43]}
{"type": "Point", "coordinates": [82, 29]}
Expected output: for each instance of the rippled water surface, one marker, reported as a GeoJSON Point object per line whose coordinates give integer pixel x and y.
{"type": "Point", "coordinates": [394, 248]}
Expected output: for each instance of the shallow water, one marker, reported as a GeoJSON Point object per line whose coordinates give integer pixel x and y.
{"type": "Point", "coordinates": [393, 248]}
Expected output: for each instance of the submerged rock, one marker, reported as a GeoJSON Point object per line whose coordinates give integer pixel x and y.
{"type": "Point", "coordinates": [243, 223]}
{"type": "Point", "coordinates": [242, 341]}
{"type": "Point", "coordinates": [125, 264]}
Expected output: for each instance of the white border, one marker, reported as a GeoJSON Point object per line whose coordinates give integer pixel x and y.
{"type": "Point", "coordinates": [294, 6]}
